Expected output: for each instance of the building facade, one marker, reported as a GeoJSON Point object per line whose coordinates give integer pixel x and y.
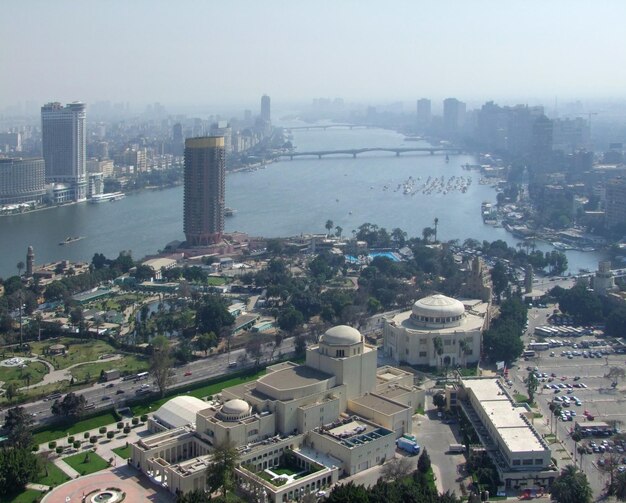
{"type": "Point", "coordinates": [64, 146]}
{"type": "Point", "coordinates": [265, 108]}
{"type": "Point", "coordinates": [423, 113]}
{"type": "Point", "coordinates": [335, 415]}
{"type": "Point", "coordinates": [615, 212]}
{"type": "Point", "coordinates": [438, 331]}
{"type": "Point", "coordinates": [205, 187]}
{"type": "Point", "coordinates": [22, 181]}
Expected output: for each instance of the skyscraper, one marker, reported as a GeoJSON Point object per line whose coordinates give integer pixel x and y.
{"type": "Point", "coordinates": [423, 113]}
{"type": "Point", "coordinates": [453, 115]}
{"type": "Point", "coordinates": [64, 139]}
{"type": "Point", "coordinates": [265, 108]}
{"type": "Point", "coordinates": [204, 190]}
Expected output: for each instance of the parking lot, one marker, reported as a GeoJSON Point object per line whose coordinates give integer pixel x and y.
{"type": "Point", "coordinates": [573, 376]}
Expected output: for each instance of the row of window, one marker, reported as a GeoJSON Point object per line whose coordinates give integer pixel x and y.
{"type": "Point", "coordinates": [527, 462]}
{"type": "Point", "coordinates": [431, 319]}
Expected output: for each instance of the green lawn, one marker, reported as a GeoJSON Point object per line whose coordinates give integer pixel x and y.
{"type": "Point", "coordinates": [283, 470]}
{"type": "Point", "coordinates": [216, 281]}
{"type": "Point", "coordinates": [123, 452]}
{"type": "Point", "coordinates": [55, 476]}
{"type": "Point", "coordinates": [78, 352]}
{"type": "Point", "coordinates": [95, 463]}
{"type": "Point", "coordinates": [60, 430]}
{"type": "Point", "coordinates": [39, 392]}
{"type": "Point", "coordinates": [28, 496]}
{"type": "Point", "coordinates": [36, 370]}
{"type": "Point", "coordinates": [91, 371]}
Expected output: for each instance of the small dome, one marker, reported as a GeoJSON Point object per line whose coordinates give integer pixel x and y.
{"type": "Point", "coordinates": [235, 407]}
{"type": "Point", "coordinates": [438, 306]}
{"type": "Point", "coordinates": [341, 335]}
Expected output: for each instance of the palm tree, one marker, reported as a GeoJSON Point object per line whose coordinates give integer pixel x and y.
{"type": "Point", "coordinates": [438, 347]}
{"type": "Point", "coordinates": [464, 348]}
{"type": "Point", "coordinates": [26, 376]}
{"type": "Point", "coordinates": [20, 266]}
{"type": "Point", "coordinates": [571, 486]}
{"type": "Point", "coordinates": [329, 225]}
{"type": "Point", "coordinates": [436, 223]}
{"type": "Point", "coordinates": [339, 231]}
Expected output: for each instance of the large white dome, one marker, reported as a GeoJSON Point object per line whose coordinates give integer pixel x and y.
{"type": "Point", "coordinates": [235, 407]}
{"type": "Point", "coordinates": [341, 335]}
{"type": "Point", "coordinates": [438, 306]}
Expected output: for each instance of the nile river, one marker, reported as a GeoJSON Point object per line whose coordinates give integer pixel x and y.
{"type": "Point", "coordinates": [286, 198]}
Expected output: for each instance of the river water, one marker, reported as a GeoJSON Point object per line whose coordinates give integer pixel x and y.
{"type": "Point", "coordinates": [284, 199]}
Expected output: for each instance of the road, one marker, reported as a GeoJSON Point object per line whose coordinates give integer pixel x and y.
{"type": "Point", "coordinates": [118, 391]}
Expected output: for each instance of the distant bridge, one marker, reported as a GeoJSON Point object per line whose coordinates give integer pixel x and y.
{"type": "Point", "coordinates": [329, 126]}
{"type": "Point", "coordinates": [356, 151]}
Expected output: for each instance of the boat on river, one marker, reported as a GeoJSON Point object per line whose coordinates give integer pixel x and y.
{"type": "Point", "coordinates": [68, 240]}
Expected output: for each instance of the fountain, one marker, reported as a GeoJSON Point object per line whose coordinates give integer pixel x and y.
{"type": "Point", "coordinates": [111, 495]}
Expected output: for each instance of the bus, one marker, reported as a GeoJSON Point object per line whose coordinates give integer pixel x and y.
{"type": "Point", "coordinates": [528, 353]}
{"type": "Point", "coordinates": [141, 375]}
{"type": "Point", "coordinates": [539, 346]}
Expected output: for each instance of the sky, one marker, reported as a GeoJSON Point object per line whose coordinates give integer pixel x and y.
{"type": "Point", "coordinates": [230, 52]}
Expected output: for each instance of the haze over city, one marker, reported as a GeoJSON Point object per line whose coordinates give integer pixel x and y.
{"type": "Point", "coordinates": [208, 53]}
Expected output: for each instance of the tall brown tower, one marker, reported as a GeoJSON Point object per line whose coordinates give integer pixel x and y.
{"type": "Point", "coordinates": [205, 189]}
{"type": "Point", "coordinates": [30, 261]}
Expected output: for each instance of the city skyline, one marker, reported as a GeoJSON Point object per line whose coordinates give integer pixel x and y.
{"type": "Point", "coordinates": [524, 51]}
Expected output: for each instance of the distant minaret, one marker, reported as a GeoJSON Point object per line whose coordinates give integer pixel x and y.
{"type": "Point", "coordinates": [30, 261]}
{"type": "Point", "coordinates": [528, 279]}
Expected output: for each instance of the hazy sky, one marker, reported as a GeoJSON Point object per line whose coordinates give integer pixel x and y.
{"type": "Point", "coordinates": [232, 51]}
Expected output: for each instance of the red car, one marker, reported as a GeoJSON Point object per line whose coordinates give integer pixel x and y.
{"type": "Point", "coordinates": [188, 373]}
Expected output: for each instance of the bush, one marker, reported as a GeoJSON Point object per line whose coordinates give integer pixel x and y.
{"type": "Point", "coordinates": [59, 449]}
{"type": "Point", "coordinates": [127, 429]}
{"type": "Point", "coordinates": [144, 418]}
{"type": "Point", "coordinates": [93, 439]}
{"type": "Point", "coordinates": [52, 445]}
{"type": "Point", "coordinates": [120, 425]}
{"type": "Point", "coordinates": [102, 430]}
{"type": "Point", "coordinates": [70, 440]}
{"type": "Point", "coordinates": [76, 444]}
{"type": "Point", "coordinates": [110, 434]}
{"type": "Point", "coordinates": [86, 434]}
{"type": "Point", "coordinates": [135, 421]}
{"type": "Point", "coordinates": [117, 415]}
{"type": "Point", "coordinates": [34, 448]}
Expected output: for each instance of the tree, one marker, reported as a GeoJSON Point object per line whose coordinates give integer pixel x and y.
{"type": "Point", "coordinates": [254, 350]}
{"type": "Point", "coordinates": [212, 315]}
{"type": "Point", "coordinates": [531, 386]}
{"type": "Point", "coordinates": [348, 493]}
{"type": "Point", "coordinates": [423, 463]}
{"type": "Point", "coordinates": [439, 400]}
{"type": "Point", "coordinates": [396, 468]}
{"type": "Point", "coordinates": [329, 225]}
{"type": "Point", "coordinates": [17, 467]}
{"type": "Point", "coordinates": [221, 467]}
{"type": "Point", "coordinates": [571, 486]}
{"type": "Point", "coordinates": [616, 322]}
{"type": "Point", "coordinates": [72, 406]}
{"type": "Point", "coordinates": [18, 423]}
{"type": "Point", "coordinates": [618, 488]}
{"type": "Point", "coordinates": [195, 496]}
{"type": "Point", "coordinates": [427, 233]}
{"type": "Point", "coordinates": [438, 346]}
{"type": "Point", "coordinates": [161, 363]}
{"type": "Point", "coordinates": [205, 341]}
{"type": "Point", "coordinates": [338, 231]}
{"type": "Point", "coordinates": [300, 345]}
{"type": "Point", "coordinates": [289, 319]}
{"type": "Point", "coordinates": [499, 279]}
{"type": "Point", "coordinates": [11, 391]}
{"type": "Point", "coordinates": [20, 266]}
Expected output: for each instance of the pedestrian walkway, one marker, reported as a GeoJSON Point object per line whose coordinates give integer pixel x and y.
{"type": "Point", "coordinates": [38, 487]}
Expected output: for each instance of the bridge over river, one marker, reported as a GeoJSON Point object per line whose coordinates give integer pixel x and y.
{"type": "Point", "coordinates": [356, 151]}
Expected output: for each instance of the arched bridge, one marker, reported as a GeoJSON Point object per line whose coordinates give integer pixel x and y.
{"type": "Point", "coordinates": [356, 151]}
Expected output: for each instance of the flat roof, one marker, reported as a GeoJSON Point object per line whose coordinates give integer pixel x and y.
{"type": "Point", "coordinates": [293, 377]}
{"type": "Point", "coordinates": [379, 404]}
{"type": "Point", "coordinates": [486, 389]}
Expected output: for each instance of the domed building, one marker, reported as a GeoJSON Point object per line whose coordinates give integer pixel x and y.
{"type": "Point", "coordinates": [438, 331]}
{"type": "Point", "coordinates": [338, 413]}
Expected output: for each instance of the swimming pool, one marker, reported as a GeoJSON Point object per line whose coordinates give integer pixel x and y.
{"type": "Point", "coordinates": [372, 255]}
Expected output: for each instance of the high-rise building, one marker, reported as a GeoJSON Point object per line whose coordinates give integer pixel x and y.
{"type": "Point", "coordinates": [453, 115]}
{"type": "Point", "coordinates": [205, 160]}
{"type": "Point", "coordinates": [64, 138]}
{"type": "Point", "coordinates": [615, 211]}
{"type": "Point", "coordinates": [265, 108]}
{"type": "Point", "coordinates": [178, 140]}
{"type": "Point", "coordinates": [423, 113]}
{"type": "Point", "coordinates": [222, 128]}
{"type": "Point", "coordinates": [22, 181]}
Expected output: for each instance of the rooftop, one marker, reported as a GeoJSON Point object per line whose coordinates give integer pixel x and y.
{"type": "Point", "coordinates": [380, 404]}
{"type": "Point", "coordinates": [293, 377]}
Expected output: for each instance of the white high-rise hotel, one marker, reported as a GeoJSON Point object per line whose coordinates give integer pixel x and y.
{"type": "Point", "coordinates": [64, 137]}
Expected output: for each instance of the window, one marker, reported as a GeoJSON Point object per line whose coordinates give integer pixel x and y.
{"type": "Point", "coordinates": [423, 341]}
{"type": "Point", "coordinates": [527, 462]}
{"type": "Point", "coordinates": [538, 461]}
{"type": "Point", "coordinates": [340, 353]}
{"type": "Point", "coordinates": [423, 354]}
{"type": "Point", "coordinates": [516, 462]}
{"type": "Point", "coordinates": [253, 432]}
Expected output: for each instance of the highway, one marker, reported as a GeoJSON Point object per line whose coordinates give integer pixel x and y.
{"type": "Point", "coordinates": [117, 392]}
